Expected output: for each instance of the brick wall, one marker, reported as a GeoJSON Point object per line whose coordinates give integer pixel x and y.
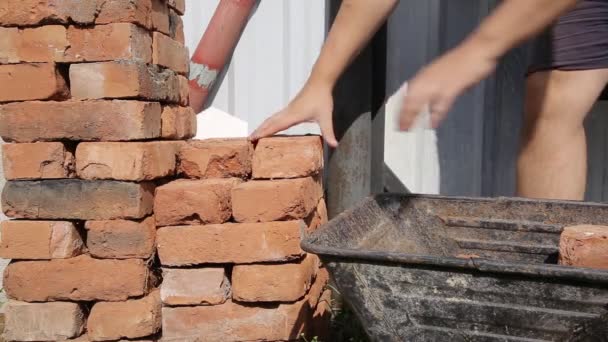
{"type": "Point", "coordinates": [123, 229]}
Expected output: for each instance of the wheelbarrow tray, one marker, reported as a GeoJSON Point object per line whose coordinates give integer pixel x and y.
{"type": "Point", "coordinates": [431, 268]}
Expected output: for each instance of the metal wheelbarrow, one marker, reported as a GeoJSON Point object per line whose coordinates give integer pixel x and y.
{"type": "Point", "coordinates": [430, 268]}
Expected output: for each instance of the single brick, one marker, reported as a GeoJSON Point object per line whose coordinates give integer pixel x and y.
{"type": "Point", "coordinates": [176, 27]}
{"type": "Point", "coordinates": [229, 243]}
{"type": "Point", "coordinates": [36, 12]}
{"type": "Point", "coordinates": [120, 11]}
{"type": "Point", "coordinates": [130, 319]}
{"type": "Point", "coordinates": [133, 161]}
{"type": "Point", "coordinates": [33, 81]}
{"type": "Point", "coordinates": [39, 240]}
{"type": "Point", "coordinates": [178, 5]}
{"type": "Point", "coordinates": [273, 282]}
{"type": "Point", "coordinates": [216, 158]}
{"type": "Point", "coordinates": [178, 122]}
{"type": "Point", "coordinates": [194, 286]}
{"type": "Point", "coordinates": [584, 246]}
{"type": "Point", "coordinates": [184, 90]}
{"type": "Point", "coordinates": [79, 120]}
{"type": "Point", "coordinates": [9, 44]}
{"type": "Point", "coordinates": [76, 279]}
{"type": "Point", "coordinates": [234, 322]}
{"type": "Point", "coordinates": [77, 199]}
{"type": "Point", "coordinates": [317, 218]}
{"type": "Point", "coordinates": [159, 20]}
{"type": "Point", "coordinates": [121, 239]}
{"type": "Point", "coordinates": [124, 79]}
{"type": "Point", "coordinates": [194, 201]}
{"type": "Point", "coordinates": [42, 44]}
{"type": "Point", "coordinates": [287, 157]}
{"type": "Point", "coordinates": [284, 199]}
{"type": "Point", "coordinates": [37, 160]}
{"type": "Point", "coordinates": [107, 43]}
{"type": "Point", "coordinates": [42, 321]}
{"type": "Point", "coordinates": [170, 53]}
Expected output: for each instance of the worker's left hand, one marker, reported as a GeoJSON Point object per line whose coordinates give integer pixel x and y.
{"type": "Point", "coordinates": [440, 83]}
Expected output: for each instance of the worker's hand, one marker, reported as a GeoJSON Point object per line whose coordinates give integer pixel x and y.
{"type": "Point", "coordinates": [440, 83]}
{"type": "Point", "coordinates": [314, 103]}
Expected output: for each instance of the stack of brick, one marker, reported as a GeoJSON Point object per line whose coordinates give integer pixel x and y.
{"type": "Point", "coordinates": [89, 89]}
{"type": "Point", "coordinates": [228, 241]}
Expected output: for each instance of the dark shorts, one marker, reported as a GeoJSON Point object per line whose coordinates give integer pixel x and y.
{"type": "Point", "coordinates": [577, 41]}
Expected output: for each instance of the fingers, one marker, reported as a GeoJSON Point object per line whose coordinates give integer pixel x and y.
{"type": "Point", "coordinates": [327, 130]}
{"type": "Point", "coordinates": [414, 104]}
{"type": "Point", "coordinates": [274, 124]}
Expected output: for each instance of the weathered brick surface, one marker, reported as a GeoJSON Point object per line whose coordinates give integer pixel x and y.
{"type": "Point", "coordinates": [178, 122]}
{"type": "Point", "coordinates": [77, 199]}
{"type": "Point", "coordinates": [79, 120]}
{"type": "Point", "coordinates": [288, 157]}
{"type": "Point", "coordinates": [37, 160]}
{"type": "Point", "coordinates": [33, 81]}
{"type": "Point", "coordinates": [194, 286]}
{"type": "Point", "coordinates": [273, 282]}
{"type": "Point", "coordinates": [184, 90]}
{"type": "Point", "coordinates": [229, 243]}
{"type": "Point", "coordinates": [39, 240]}
{"type": "Point", "coordinates": [124, 79]}
{"type": "Point", "coordinates": [584, 246]}
{"type": "Point", "coordinates": [216, 158]}
{"type": "Point", "coordinates": [38, 44]}
{"type": "Point", "coordinates": [317, 218]}
{"type": "Point", "coordinates": [160, 16]}
{"type": "Point", "coordinates": [176, 27]}
{"type": "Point", "coordinates": [107, 43]}
{"type": "Point", "coordinates": [77, 279]}
{"type": "Point", "coordinates": [133, 161]}
{"type": "Point", "coordinates": [121, 239]}
{"type": "Point", "coordinates": [284, 199]}
{"type": "Point", "coordinates": [178, 5]}
{"type": "Point", "coordinates": [36, 12]}
{"type": "Point", "coordinates": [42, 321]}
{"type": "Point", "coordinates": [194, 201]}
{"type": "Point", "coordinates": [130, 319]}
{"type": "Point", "coordinates": [170, 53]}
{"type": "Point", "coordinates": [234, 322]}
{"type": "Point", "coordinates": [9, 42]}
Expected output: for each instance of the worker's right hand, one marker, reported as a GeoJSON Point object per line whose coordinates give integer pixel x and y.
{"type": "Point", "coordinates": [313, 103]}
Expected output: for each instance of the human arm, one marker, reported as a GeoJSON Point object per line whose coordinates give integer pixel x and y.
{"type": "Point", "coordinates": [354, 25]}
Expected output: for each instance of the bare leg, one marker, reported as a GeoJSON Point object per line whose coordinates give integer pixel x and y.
{"type": "Point", "coordinates": [553, 158]}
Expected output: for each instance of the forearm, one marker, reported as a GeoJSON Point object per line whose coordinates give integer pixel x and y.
{"type": "Point", "coordinates": [355, 24]}
{"type": "Point", "coordinates": [513, 22]}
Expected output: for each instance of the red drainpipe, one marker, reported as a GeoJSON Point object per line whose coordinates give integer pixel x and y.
{"type": "Point", "coordinates": [216, 46]}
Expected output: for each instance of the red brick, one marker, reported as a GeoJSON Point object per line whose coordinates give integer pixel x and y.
{"type": "Point", "coordinates": [39, 240]}
{"type": "Point", "coordinates": [273, 282]}
{"type": "Point", "coordinates": [194, 286]}
{"type": "Point", "coordinates": [9, 45]}
{"type": "Point", "coordinates": [178, 5]}
{"type": "Point", "coordinates": [77, 199]}
{"type": "Point", "coordinates": [194, 201]}
{"type": "Point", "coordinates": [184, 90]}
{"type": "Point", "coordinates": [121, 239]}
{"type": "Point", "coordinates": [76, 279]}
{"type": "Point", "coordinates": [42, 321]}
{"type": "Point", "coordinates": [79, 120]}
{"type": "Point", "coordinates": [37, 160]}
{"type": "Point", "coordinates": [130, 319]}
{"type": "Point", "coordinates": [42, 44]}
{"type": "Point", "coordinates": [34, 81]}
{"type": "Point", "coordinates": [85, 338]}
{"type": "Point", "coordinates": [120, 11]}
{"type": "Point", "coordinates": [288, 157]}
{"type": "Point", "coordinates": [160, 16]}
{"type": "Point", "coordinates": [123, 79]}
{"type": "Point", "coordinates": [234, 322]}
{"type": "Point", "coordinates": [216, 158]}
{"type": "Point", "coordinates": [107, 43]}
{"type": "Point", "coordinates": [176, 27]}
{"type": "Point", "coordinates": [170, 53]}
{"type": "Point", "coordinates": [133, 161]}
{"type": "Point", "coordinates": [178, 122]}
{"type": "Point", "coordinates": [284, 199]}
{"type": "Point", "coordinates": [584, 246]}
{"type": "Point", "coordinates": [317, 218]}
{"type": "Point", "coordinates": [229, 243]}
